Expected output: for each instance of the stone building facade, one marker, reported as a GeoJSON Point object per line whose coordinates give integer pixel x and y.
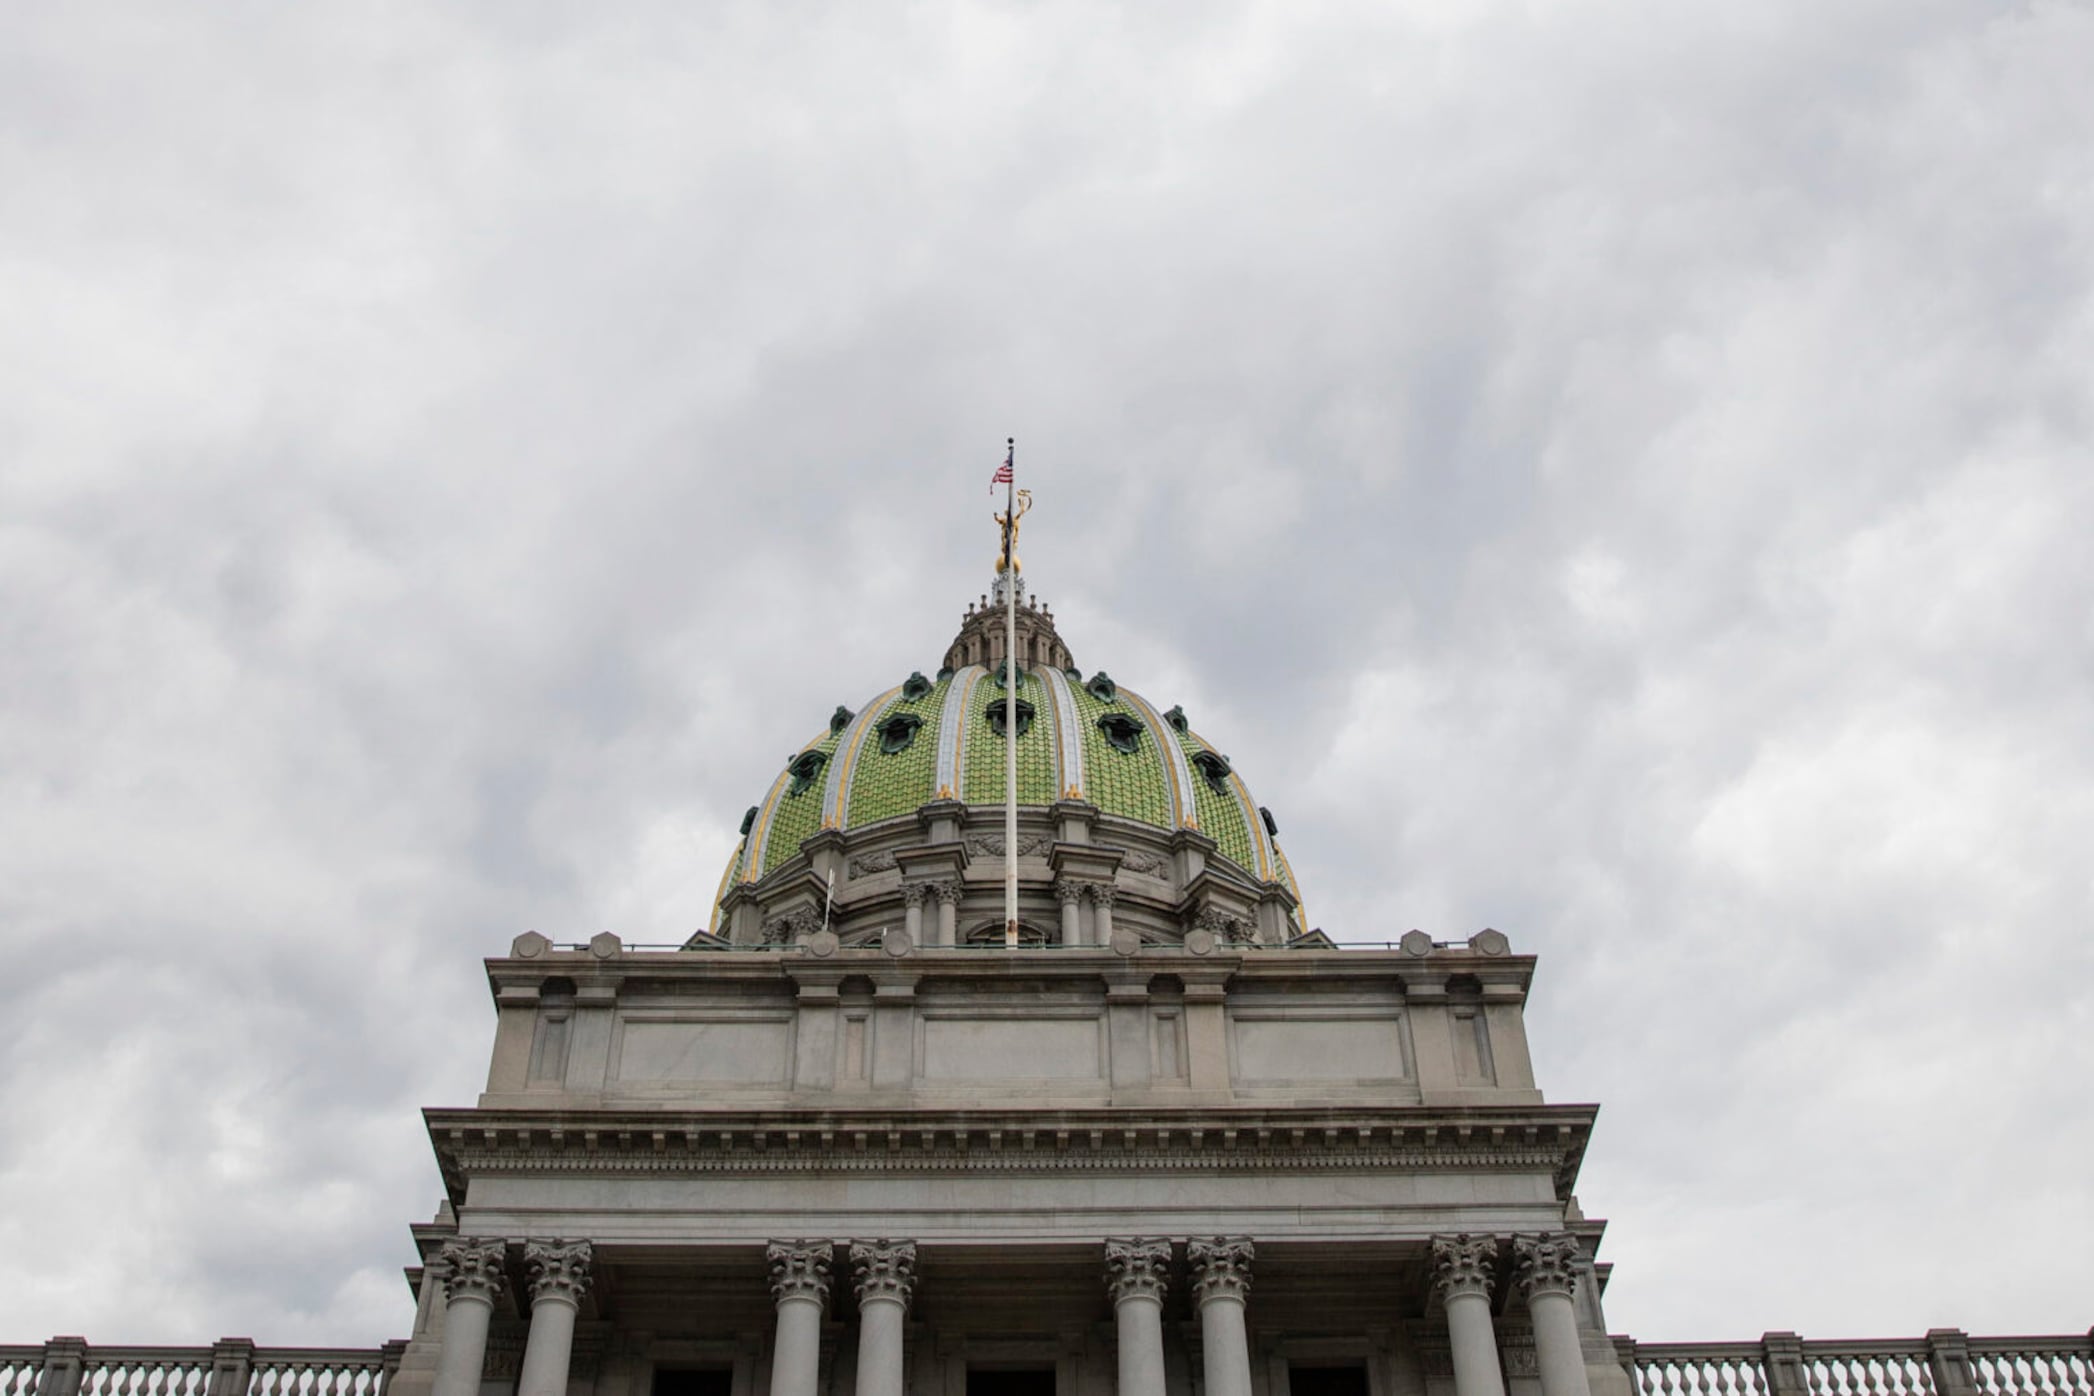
{"type": "Point", "coordinates": [844, 1142]}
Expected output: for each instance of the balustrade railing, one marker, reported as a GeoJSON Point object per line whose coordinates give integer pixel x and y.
{"type": "Point", "coordinates": [232, 1367]}
{"type": "Point", "coordinates": [146, 1372]}
{"type": "Point", "coordinates": [1944, 1363]}
{"type": "Point", "coordinates": [2032, 1366]}
{"type": "Point", "coordinates": [19, 1369]}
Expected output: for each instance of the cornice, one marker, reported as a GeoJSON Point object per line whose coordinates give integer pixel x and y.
{"type": "Point", "coordinates": [515, 979]}
{"type": "Point", "coordinates": [817, 1143]}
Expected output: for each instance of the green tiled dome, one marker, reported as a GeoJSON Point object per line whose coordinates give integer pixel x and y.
{"type": "Point", "coordinates": [921, 741]}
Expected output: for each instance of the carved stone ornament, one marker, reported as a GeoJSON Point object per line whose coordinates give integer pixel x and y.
{"type": "Point", "coordinates": [1101, 894]}
{"type": "Point", "coordinates": [1137, 1268]}
{"type": "Point", "coordinates": [991, 845]}
{"type": "Point", "coordinates": [884, 1270]}
{"type": "Point", "coordinates": [792, 928]}
{"type": "Point", "coordinates": [1134, 860]}
{"type": "Point", "coordinates": [799, 1270]}
{"type": "Point", "coordinates": [1068, 891]}
{"type": "Point", "coordinates": [913, 893]}
{"type": "Point", "coordinates": [1221, 1267]}
{"type": "Point", "coordinates": [866, 863]}
{"type": "Point", "coordinates": [1462, 1264]}
{"type": "Point", "coordinates": [558, 1269]}
{"type": "Point", "coordinates": [1226, 928]}
{"type": "Point", "coordinates": [947, 892]}
{"type": "Point", "coordinates": [473, 1269]}
{"type": "Point", "coordinates": [1545, 1264]}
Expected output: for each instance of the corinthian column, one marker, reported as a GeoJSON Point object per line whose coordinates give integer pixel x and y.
{"type": "Point", "coordinates": [1461, 1269]}
{"type": "Point", "coordinates": [1221, 1279]}
{"type": "Point", "coordinates": [948, 894]}
{"type": "Point", "coordinates": [473, 1282]}
{"type": "Point", "coordinates": [1101, 913]}
{"type": "Point", "coordinates": [913, 894]}
{"type": "Point", "coordinates": [884, 1273]}
{"type": "Point", "coordinates": [1546, 1271]}
{"type": "Point", "coordinates": [1069, 893]}
{"type": "Point", "coordinates": [559, 1277]}
{"type": "Point", "coordinates": [1136, 1273]}
{"type": "Point", "coordinates": [800, 1284]}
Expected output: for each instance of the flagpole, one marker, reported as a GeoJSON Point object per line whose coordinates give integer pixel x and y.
{"type": "Point", "coordinates": [1010, 700]}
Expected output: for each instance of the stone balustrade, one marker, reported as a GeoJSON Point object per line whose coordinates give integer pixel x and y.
{"type": "Point", "coordinates": [229, 1367]}
{"type": "Point", "coordinates": [1946, 1362]}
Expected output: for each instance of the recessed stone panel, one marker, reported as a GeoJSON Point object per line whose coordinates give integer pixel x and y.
{"type": "Point", "coordinates": [1011, 1049]}
{"type": "Point", "coordinates": [1282, 1049]}
{"type": "Point", "coordinates": [749, 1051]}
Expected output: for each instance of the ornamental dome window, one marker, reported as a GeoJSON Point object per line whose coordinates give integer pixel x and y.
{"type": "Point", "coordinates": [1176, 718]}
{"type": "Point", "coordinates": [994, 712]}
{"type": "Point", "coordinates": [1215, 767]}
{"type": "Point", "coordinates": [748, 820]}
{"type": "Point", "coordinates": [1122, 731]}
{"type": "Point", "coordinates": [841, 718]}
{"type": "Point", "coordinates": [1103, 688]}
{"type": "Point", "coordinates": [805, 768]}
{"type": "Point", "coordinates": [915, 686]}
{"type": "Point", "coordinates": [898, 733]}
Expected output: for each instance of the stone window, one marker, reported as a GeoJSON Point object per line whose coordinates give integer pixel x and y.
{"type": "Point", "coordinates": [1122, 731]}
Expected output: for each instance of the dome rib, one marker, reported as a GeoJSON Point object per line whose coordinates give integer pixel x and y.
{"type": "Point", "coordinates": [952, 731]}
{"type": "Point", "coordinates": [1185, 813]}
{"type": "Point", "coordinates": [836, 793]}
{"type": "Point", "coordinates": [1068, 735]}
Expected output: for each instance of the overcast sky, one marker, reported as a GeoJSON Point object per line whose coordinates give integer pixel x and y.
{"type": "Point", "coordinates": [1613, 472]}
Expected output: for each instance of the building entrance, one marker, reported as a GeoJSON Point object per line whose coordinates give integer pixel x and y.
{"type": "Point", "coordinates": [992, 1382]}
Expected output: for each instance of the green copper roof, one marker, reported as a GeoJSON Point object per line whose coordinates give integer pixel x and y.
{"type": "Point", "coordinates": [896, 753]}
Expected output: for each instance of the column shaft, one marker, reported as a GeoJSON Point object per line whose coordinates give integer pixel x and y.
{"type": "Point", "coordinates": [1072, 921]}
{"type": "Point", "coordinates": [1225, 1348]}
{"type": "Point", "coordinates": [880, 1347]}
{"type": "Point", "coordinates": [912, 920]}
{"type": "Point", "coordinates": [464, 1352]}
{"type": "Point", "coordinates": [1557, 1350]}
{"type": "Point", "coordinates": [1140, 1320]}
{"type": "Point", "coordinates": [796, 1358]}
{"type": "Point", "coordinates": [548, 1348]}
{"type": "Point", "coordinates": [1475, 1345]}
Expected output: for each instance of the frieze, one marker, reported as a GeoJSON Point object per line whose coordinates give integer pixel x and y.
{"type": "Point", "coordinates": [991, 845]}
{"type": "Point", "coordinates": [1136, 861]}
{"type": "Point", "coordinates": [866, 864]}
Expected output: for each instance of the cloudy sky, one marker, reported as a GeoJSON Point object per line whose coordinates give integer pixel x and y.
{"type": "Point", "coordinates": [1614, 472]}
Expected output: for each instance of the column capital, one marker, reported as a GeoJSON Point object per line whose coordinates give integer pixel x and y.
{"type": "Point", "coordinates": [1221, 1266]}
{"type": "Point", "coordinates": [1544, 1264]}
{"type": "Point", "coordinates": [1068, 890]}
{"type": "Point", "coordinates": [473, 1269]}
{"type": "Point", "coordinates": [913, 893]}
{"type": "Point", "coordinates": [947, 891]}
{"type": "Point", "coordinates": [1100, 894]}
{"type": "Point", "coordinates": [884, 1270]}
{"type": "Point", "coordinates": [799, 1270]}
{"type": "Point", "coordinates": [1137, 1267]}
{"type": "Point", "coordinates": [1462, 1264]}
{"type": "Point", "coordinates": [558, 1269]}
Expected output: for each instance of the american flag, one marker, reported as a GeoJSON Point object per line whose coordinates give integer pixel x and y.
{"type": "Point", "coordinates": [1003, 474]}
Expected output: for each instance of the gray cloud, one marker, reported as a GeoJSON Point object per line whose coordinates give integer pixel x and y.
{"type": "Point", "coordinates": [1611, 474]}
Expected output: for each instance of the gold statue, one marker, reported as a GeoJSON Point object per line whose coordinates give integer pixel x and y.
{"type": "Point", "coordinates": [1024, 504]}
